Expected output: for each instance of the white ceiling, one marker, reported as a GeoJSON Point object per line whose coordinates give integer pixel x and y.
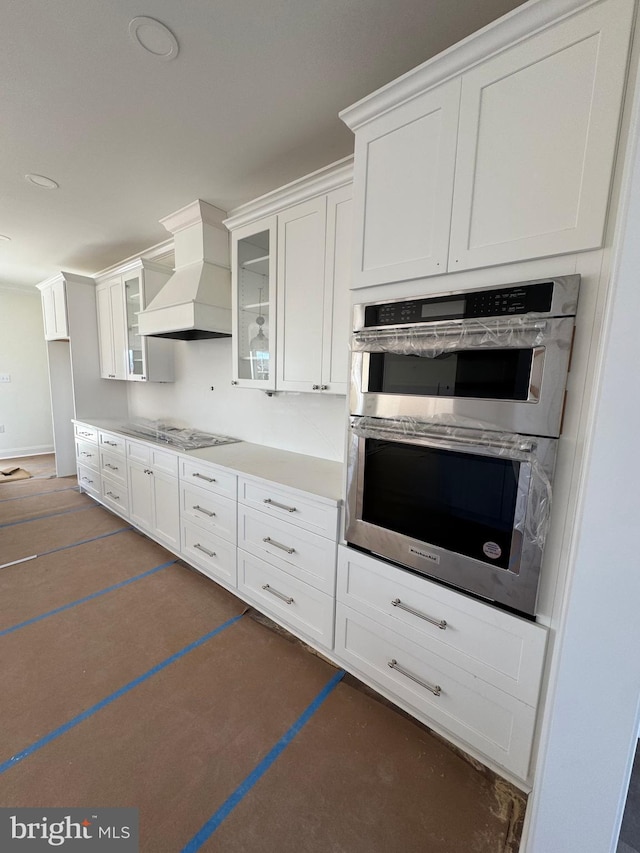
{"type": "Point", "coordinates": [250, 103]}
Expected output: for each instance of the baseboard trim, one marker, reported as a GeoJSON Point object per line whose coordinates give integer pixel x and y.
{"type": "Point", "coordinates": [37, 450]}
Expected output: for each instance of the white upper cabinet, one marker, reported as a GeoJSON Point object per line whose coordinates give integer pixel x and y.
{"type": "Point", "coordinates": [337, 282]}
{"type": "Point", "coordinates": [54, 310]}
{"type": "Point", "coordinates": [253, 276]}
{"type": "Point", "coordinates": [537, 140]}
{"type": "Point", "coordinates": [124, 353]}
{"type": "Point", "coordinates": [291, 271]}
{"type": "Point", "coordinates": [111, 328]}
{"type": "Point", "coordinates": [510, 159]}
{"type": "Point", "coordinates": [403, 178]}
{"type": "Point", "coordinates": [300, 295]}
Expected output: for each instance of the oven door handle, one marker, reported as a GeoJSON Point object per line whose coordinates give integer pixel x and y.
{"type": "Point", "coordinates": [526, 332]}
{"type": "Point", "coordinates": [481, 442]}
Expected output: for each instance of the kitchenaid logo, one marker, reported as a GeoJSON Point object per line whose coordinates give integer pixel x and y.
{"type": "Point", "coordinates": [85, 830]}
{"type": "Point", "coordinates": [427, 555]}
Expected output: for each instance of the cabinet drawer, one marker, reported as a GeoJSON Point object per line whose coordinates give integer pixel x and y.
{"type": "Point", "coordinates": [288, 600]}
{"type": "Point", "coordinates": [156, 458]}
{"type": "Point", "coordinates": [210, 478]}
{"type": "Point", "coordinates": [115, 495]}
{"type": "Point", "coordinates": [85, 432]}
{"type": "Point", "coordinates": [306, 555]}
{"type": "Point", "coordinates": [209, 511]}
{"type": "Point", "coordinates": [114, 467]}
{"type": "Point", "coordinates": [112, 442]}
{"type": "Point", "coordinates": [213, 556]}
{"type": "Point", "coordinates": [88, 454]}
{"type": "Point", "coordinates": [502, 649]}
{"type": "Point", "coordinates": [481, 715]}
{"type": "Point", "coordinates": [89, 480]}
{"type": "Point", "coordinates": [289, 506]}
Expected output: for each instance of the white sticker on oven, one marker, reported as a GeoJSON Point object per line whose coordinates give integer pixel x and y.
{"type": "Point", "coordinates": [492, 550]}
{"type": "Point", "coordinates": [426, 554]}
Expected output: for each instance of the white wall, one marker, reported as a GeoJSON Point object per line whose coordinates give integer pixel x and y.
{"type": "Point", "coordinates": [25, 407]}
{"type": "Point", "coordinates": [591, 716]}
{"type": "Point", "coordinates": [303, 423]}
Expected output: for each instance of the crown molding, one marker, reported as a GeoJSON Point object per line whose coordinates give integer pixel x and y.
{"type": "Point", "coordinates": [192, 214]}
{"type": "Point", "coordinates": [520, 23]}
{"type": "Point", "coordinates": [322, 181]}
{"type": "Point", "coordinates": [66, 276]}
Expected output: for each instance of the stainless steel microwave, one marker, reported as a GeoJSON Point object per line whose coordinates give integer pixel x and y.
{"type": "Point", "coordinates": [497, 358]}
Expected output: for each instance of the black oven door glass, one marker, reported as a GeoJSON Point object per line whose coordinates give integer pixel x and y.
{"type": "Point", "coordinates": [483, 373]}
{"type": "Point", "coordinates": [458, 501]}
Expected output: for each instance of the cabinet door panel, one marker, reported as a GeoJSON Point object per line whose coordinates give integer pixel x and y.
{"type": "Point", "coordinates": [166, 509]}
{"type": "Point", "coordinates": [337, 307]}
{"type": "Point", "coordinates": [403, 185]}
{"type": "Point", "coordinates": [300, 295]}
{"type": "Point", "coordinates": [253, 278]}
{"type": "Point", "coordinates": [140, 496]}
{"type": "Point", "coordinates": [536, 143]}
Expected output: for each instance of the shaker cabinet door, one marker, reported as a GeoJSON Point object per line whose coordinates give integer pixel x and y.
{"type": "Point", "coordinates": [337, 306]}
{"type": "Point", "coordinates": [300, 295]}
{"type": "Point", "coordinates": [537, 139]}
{"type": "Point", "coordinates": [403, 186]}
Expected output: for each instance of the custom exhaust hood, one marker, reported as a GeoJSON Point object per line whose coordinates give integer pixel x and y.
{"type": "Point", "coordinates": [195, 302]}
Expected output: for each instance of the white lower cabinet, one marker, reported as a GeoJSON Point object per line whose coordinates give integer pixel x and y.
{"type": "Point", "coordinates": [89, 481]}
{"type": "Point", "coordinates": [436, 691]}
{"type": "Point", "coordinates": [457, 664]}
{"type": "Point", "coordinates": [210, 511]}
{"type": "Point", "coordinates": [115, 496]}
{"type": "Point", "coordinates": [287, 557]}
{"type": "Point", "coordinates": [212, 555]}
{"type": "Point", "coordinates": [297, 605]}
{"type": "Point", "coordinates": [307, 556]}
{"type": "Point", "coordinates": [154, 494]}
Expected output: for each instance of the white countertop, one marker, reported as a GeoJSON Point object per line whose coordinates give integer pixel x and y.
{"type": "Point", "coordinates": [322, 478]}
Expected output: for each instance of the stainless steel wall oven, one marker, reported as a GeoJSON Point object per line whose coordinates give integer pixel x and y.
{"type": "Point", "coordinates": [456, 406]}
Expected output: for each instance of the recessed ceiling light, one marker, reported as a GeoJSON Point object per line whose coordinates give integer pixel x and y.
{"type": "Point", "coordinates": [42, 182]}
{"type": "Point", "coordinates": [154, 37]}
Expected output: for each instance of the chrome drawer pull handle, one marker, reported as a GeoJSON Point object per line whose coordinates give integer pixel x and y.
{"type": "Point", "coordinates": [113, 467]}
{"type": "Point", "coordinates": [204, 550]}
{"type": "Point", "coordinates": [433, 688]}
{"type": "Point", "coordinates": [280, 506]}
{"type": "Point", "coordinates": [439, 623]}
{"type": "Point", "coordinates": [112, 443]}
{"type": "Point", "coordinates": [205, 511]}
{"type": "Point", "coordinates": [202, 477]}
{"type": "Point", "coordinates": [115, 497]}
{"type": "Point", "coordinates": [273, 542]}
{"type": "Point", "coordinates": [285, 598]}
{"type": "Point", "coordinates": [86, 480]}
{"type": "Point", "coordinates": [84, 453]}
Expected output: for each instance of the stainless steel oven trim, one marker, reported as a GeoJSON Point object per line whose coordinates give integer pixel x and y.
{"type": "Point", "coordinates": [515, 587]}
{"type": "Point", "coordinates": [564, 301]}
{"type": "Point", "coordinates": [540, 414]}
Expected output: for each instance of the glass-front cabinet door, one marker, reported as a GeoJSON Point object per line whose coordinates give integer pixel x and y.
{"type": "Point", "coordinates": [254, 265]}
{"type": "Point", "coordinates": [136, 345]}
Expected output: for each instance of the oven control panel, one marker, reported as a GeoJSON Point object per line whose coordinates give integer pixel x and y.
{"type": "Point", "coordinates": [502, 301]}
